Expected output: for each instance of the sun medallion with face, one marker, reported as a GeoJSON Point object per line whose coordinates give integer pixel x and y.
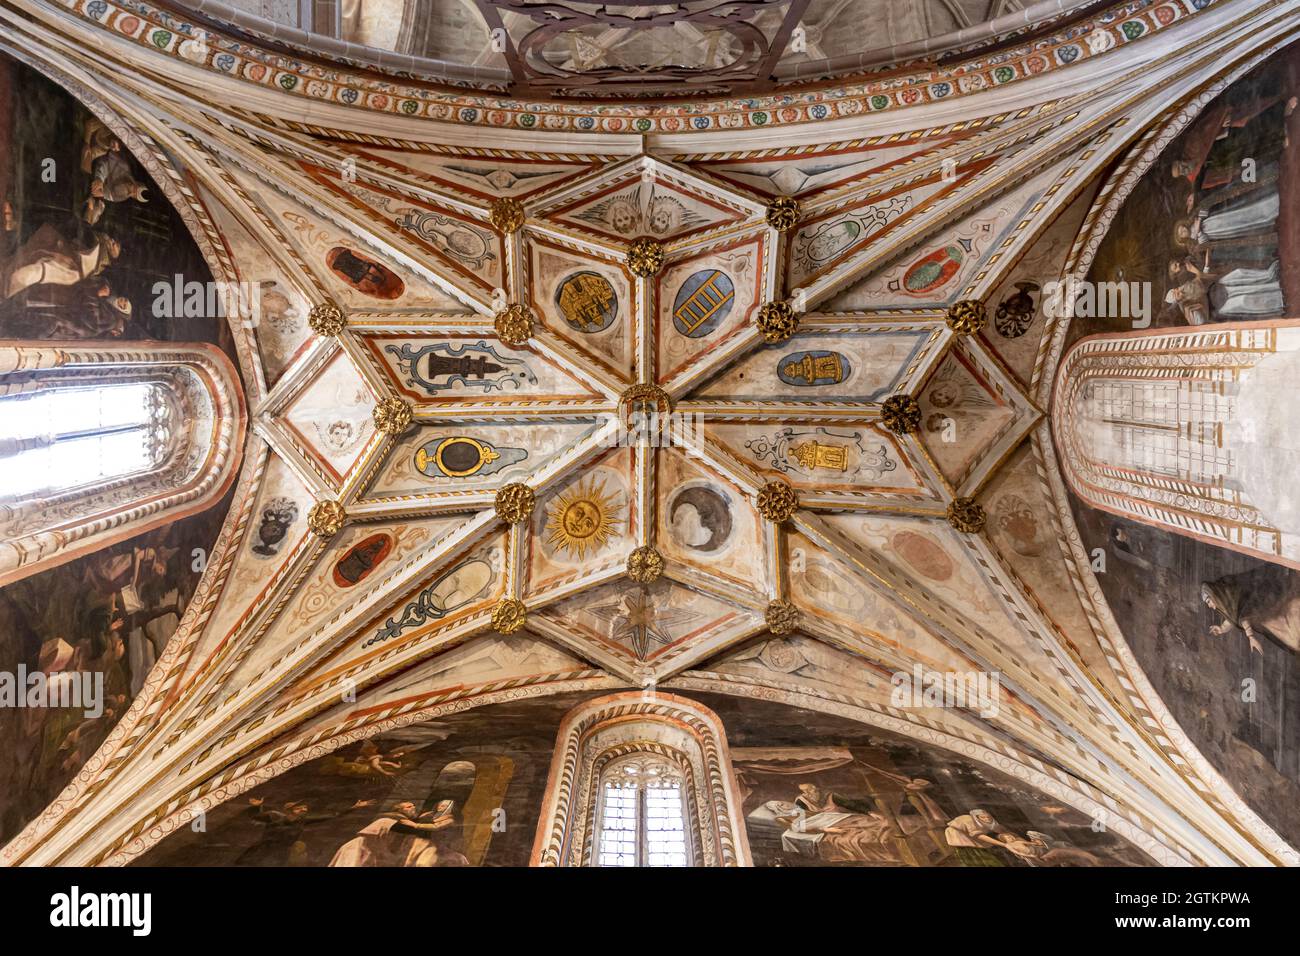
{"type": "Point", "coordinates": [582, 519]}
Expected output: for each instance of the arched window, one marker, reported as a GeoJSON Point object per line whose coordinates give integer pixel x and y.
{"type": "Point", "coordinates": [59, 439]}
{"type": "Point", "coordinates": [99, 442]}
{"type": "Point", "coordinates": [1176, 428]}
{"type": "Point", "coordinates": [641, 781]}
{"type": "Point", "coordinates": [642, 814]}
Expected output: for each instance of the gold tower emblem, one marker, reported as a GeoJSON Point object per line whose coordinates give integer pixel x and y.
{"type": "Point", "coordinates": [828, 369]}
{"type": "Point", "coordinates": [813, 454]}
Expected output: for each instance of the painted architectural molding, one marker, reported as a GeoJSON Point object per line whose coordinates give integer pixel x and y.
{"type": "Point", "coordinates": [1113, 29]}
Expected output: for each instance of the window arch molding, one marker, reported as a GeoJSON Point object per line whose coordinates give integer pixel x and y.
{"type": "Point", "coordinates": [200, 432]}
{"type": "Point", "coordinates": [602, 733]}
{"type": "Point", "coordinates": [1171, 428]}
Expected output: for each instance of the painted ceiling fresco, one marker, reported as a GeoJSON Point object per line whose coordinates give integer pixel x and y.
{"type": "Point", "coordinates": [579, 50]}
{"type": "Point", "coordinates": [485, 770]}
{"type": "Point", "coordinates": [1218, 245]}
{"type": "Point", "coordinates": [757, 416]}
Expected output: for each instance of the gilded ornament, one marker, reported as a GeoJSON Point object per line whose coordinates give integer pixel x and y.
{"type": "Point", "coordinates": [777, 501]}
{"type": "Point", "coordinates": [967, 316]}
{"type": "Point", "coordinates": [900, 414]}
{"type": "Point", "coordinates": [514, 502]}
{"type": "Point", "coordinates": [782, 617]}
{"type": "Point", "coordinates": [777, 321]}
{"type": "Point", "coordinates": [326, 518]}
{"type": "Point", "coordinates": [392, 416]}
{"type": "Point", "coordinates": [645, 257]}
{"type": "Point", "coordinates": [645, 564]}
{"type": "Point", "coordinates": [645, 398]}
{"type": "Point", "coordinates": [506, 214]}
{"type": "Point", "coordinates": [326, 318]}
{"type": "Point", "coordinates": [966, 515]}
{"type": "Point", "coordinates": [509, 615]}
{"type": "Point", "coordinates": [783, 213]}
{"type": "Point", "coordinates": [514, 324]}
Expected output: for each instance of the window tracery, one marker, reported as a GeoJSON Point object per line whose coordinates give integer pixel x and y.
{"type": "Point", "coordinates": [101, 442]}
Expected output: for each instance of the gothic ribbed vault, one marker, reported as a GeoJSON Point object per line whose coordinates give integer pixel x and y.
{"type": "Point", "coordinates": [733, 398]}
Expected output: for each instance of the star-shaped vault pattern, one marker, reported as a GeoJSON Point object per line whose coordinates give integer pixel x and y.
{"type": "Point", "coordinates": [804, 513]}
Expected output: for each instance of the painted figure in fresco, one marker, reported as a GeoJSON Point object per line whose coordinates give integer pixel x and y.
{"type": "Point", "coordinates": [402, 837]}
{"type": "Point", "coordinates": [1229, 166]}
{"type": "Point", "coordinates": [49, 258]}
{"type": "Point", "coordinates": [123, 606]}
{"type": "Point", "coordinates": [1264, 603]}
{"type": "Point", "coordinates": [1224, 134]}
{"type": "Point", "coordinates": [1038, 849]}
{"type": "Point", "coordinates": [111, 180]}
{"type": "Point", "coordinates": [282, 841]}
{"type": "Point", "coordinates": [972, 837]}
{"type": "Point", "coordinates": [111, 176]}
{"type": "Point", "coordinates": [84, 739]}
{"type": "Point", "coordinates": [84, 310]}
{"type": "Point", "coordinates": [837, 829]}
{"type": "Point", "coordinates": [370, 763]}
{"type": "Point", "coordinates": [1190, 296]}
{"type": "Point", "coordinates": [815, 800]}
{"type": "Point", "coordinates": [1242, 293]}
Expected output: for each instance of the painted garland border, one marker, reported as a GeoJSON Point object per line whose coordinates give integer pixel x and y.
{"type": "Point", "coordinates": [159, 30]}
